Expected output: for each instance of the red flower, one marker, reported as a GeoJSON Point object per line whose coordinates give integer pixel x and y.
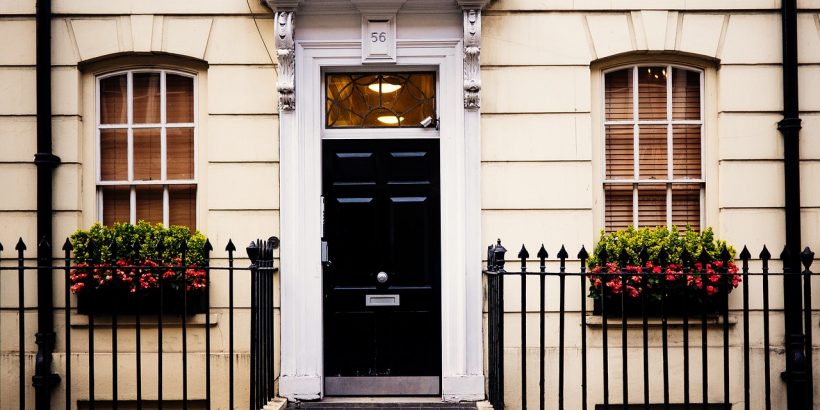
{"type": "Point", "coordinates": [711, 290]}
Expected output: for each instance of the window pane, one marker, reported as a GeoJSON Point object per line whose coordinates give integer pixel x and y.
{"type": "Point", "coordinates": [685, 94]}
{"type": "Point", "coordinates": [180, 153]}
{"type": "Point", "coordinates": [113, 97]}
{"type": "Point", "coordinates": [149, 204]}
{"type": "Point", "coordinates": [379, 100]}
{"type": "Point", "coordinates": [652, 93]}
{"type": "Point", "coordinates": [653, 154]}
{"type": "Point", "coordinates": [147, 154]}
{"type": "Point", "coordinates": [620, 157]}
{"type": "Point", "coordinates": [146, 98]}
{"type": "Point", "coordinates": [179, 98]}
{"type": "Point", "coordinates": [116, 204]}
{"type": "Point", "coordinates": [113, 155]}
{"type": "Point", "coordinates": [686, 205]}
{"type": "Point", "coordinates": [182, 205]}
{"type": "Point", "coordinates": [652, 205]}
{"type": "Point", "coordinates": [686, 151]}
{"type": "Point", "coordinates": [619, 95]}
{"type": "Point", "coordinates": [618, 207]}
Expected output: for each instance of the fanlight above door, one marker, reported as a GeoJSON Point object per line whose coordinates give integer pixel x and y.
{"type": "Point", "coordinates": [386, 100]}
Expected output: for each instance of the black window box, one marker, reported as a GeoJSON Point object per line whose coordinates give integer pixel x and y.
{"type": "Point", "coordinates": [146, 302]}
{"type": "Point", "coordinates": [674, 305]}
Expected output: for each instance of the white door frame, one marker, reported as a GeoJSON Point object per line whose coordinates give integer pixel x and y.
{"type": "Point", "coordinates": [300, 186]}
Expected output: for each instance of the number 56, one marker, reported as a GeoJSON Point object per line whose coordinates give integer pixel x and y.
{"type": "Point", "coordinates": [378, 37]}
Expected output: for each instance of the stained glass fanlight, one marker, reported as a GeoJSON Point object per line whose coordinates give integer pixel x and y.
{"type": "Point", "coordinates": [385, 100]}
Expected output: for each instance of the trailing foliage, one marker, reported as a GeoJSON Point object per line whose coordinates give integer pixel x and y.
{"type": "Point", "coordinates": [106, 257]}
{"type": "Point", "coordinates": [665, 272]}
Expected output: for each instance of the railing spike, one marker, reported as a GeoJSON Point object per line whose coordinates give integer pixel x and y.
{"type": "Point", "coordinates": [207, 247]}
{"type": "Point", "coordinates": [663, 256]}
{"type": "Point", "coordinates": [685, 257]}
{"type": "Point", "coordinates": [725, 255]}
{"type": "Point", "coordinates": [704, 257]}
{"type": "Point", "coordinates": [21, 246]}
{"type": "Point", "coordinates": [253, 251]}
{"type": "Point", "coordinates": [230, 247]}
{"type": "Point", "coordinates": [765, 254]}
{"type": "Point", "coordinates": [603, 255]}
{"type": "Point", "coordinates": [542, 253]}
{"type": "Point", "coordinates": [183, 246]}
{"type": "Point", "coordinates": [745, 254]}
{"type": "Point", "coordinates": [160, 246]}
{"type": "Point", "coordinates": [643, 255]}
{"type": "Point", "coordinates": [136, 247]}
{"type": "Point", "coordinates": [1, 247]}
{"type": "Point", "coordinates": [623, 257]}
{"type": "Point", "coordinates": [807, 257]}
{"type": "Point", "coordinates": [583, 254]}
{"type": "Point", "coordinates": [523, 254]}
{"type": "Point", "coordinates": [786, 254]}
{"type": "Point", "coordinates": [67, 245]}
{"type": "Point", "coordinates": [562, 253]}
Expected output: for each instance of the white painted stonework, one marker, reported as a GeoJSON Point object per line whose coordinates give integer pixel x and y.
{"type": "Point", "coordinates": [301, 131]}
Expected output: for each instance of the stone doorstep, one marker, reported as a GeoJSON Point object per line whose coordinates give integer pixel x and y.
{"type": "Point", "coordinates": [381, 403]}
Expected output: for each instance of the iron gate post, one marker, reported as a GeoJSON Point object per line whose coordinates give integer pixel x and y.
{"type": "Point", "coordinates": [795, 376]}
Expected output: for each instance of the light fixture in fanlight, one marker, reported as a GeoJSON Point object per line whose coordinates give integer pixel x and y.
{"type": "Point", "coordinates": [389, 119]}
{"type": "Point", "coordinates": [385, 87]}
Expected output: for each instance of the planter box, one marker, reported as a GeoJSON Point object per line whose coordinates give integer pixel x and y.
{"type": "Point", "coordinates": [675, 306]}
{"type": "Point", "coordinates": [109, 301]}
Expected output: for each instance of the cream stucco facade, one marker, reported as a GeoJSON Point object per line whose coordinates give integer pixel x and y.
{"type": "Point", "coordinates": [527, 167]}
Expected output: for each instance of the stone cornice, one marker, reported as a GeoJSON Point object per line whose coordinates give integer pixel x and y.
{"type": "Point", "coordinates": [282, 5]}
{"type": "Point", "coordinates": [473, 4]}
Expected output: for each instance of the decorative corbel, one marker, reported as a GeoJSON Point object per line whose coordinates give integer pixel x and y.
{"type": "Point", "coordinates": [472, 52]}
{"type": "Point", "coordinates": [286, 56]}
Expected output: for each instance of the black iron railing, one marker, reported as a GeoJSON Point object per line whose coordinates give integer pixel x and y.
{"type": "Point", "coordinates": [685, 332]}
{"type": "Point", "coordinates": [163, 322]}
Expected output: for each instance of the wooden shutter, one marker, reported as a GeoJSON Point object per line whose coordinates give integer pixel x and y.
{"type": "Point", "coordinates": [147, 151]}
{"type": "Point", "coordinates": [113, 99]}
{"type": "Point", "coordinates": [685, 94]}
{"type": "Point", "coordinates": [182, 205]}
{"type": "Point", "coordinates": [179, 99]}
{"type": "Point", "coordinates": [618, 91]}
{"type": "Point", "coordinates": [620, 152]}
{"type": "Point", "coordinates": [619, 212]}
{"type": "Point", "coordinates": [149, 203]}
{"type": "Point", "coordinates": [180, 153]}
{"type": "Point", "coordinates": [114, 154]}
{"type": "Point", "coordinates": [652, 93]}
{"type": "Point", "coordinates": [116, 204]}
{"type": "Point", "coordinates": [146, 103]}
{"type": "Point", "coordinates": [652, 148]}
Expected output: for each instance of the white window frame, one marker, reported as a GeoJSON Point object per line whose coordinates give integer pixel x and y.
{"type": "Point", "coordinates": [669, 122]}
{"type": "Point", "coordinates": [163, 125]}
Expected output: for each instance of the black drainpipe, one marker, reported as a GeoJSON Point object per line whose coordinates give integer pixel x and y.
{"type": "Point", "coordinates": [45, 161]}
{"type": "Point", "coordinates": [797, 370]}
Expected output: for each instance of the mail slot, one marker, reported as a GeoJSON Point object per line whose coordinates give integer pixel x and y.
{"type": "Point", "coordinates": [382, 300]}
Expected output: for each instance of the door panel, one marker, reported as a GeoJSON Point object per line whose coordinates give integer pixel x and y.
{"type": "Point", "coordinates": [382, 214]}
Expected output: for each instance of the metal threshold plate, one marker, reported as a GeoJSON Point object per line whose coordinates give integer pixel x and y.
{"type": "Point", "coordinates": [382, 386]}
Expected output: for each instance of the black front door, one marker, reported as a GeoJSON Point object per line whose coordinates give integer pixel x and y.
{"type": "Point", "coordinates": [382, 276]}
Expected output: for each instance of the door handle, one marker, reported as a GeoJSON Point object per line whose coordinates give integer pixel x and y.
{"type": "Point", "coordinates": [381, 277]}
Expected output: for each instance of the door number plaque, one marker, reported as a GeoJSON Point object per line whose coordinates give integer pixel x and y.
{"type": "Point", "coordinates": [379, 38]}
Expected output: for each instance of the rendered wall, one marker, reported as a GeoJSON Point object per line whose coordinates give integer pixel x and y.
{"type": "Point", "coordinates": [237, 160]}
{"type": "Point", "coordinates": [542, 159]}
